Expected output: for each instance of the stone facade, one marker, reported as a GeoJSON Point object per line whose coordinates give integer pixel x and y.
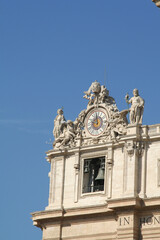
{"type": "Point", "coordinates": [119, 164]}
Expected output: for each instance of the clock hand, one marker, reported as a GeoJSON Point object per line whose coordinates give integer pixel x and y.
{"type": "Point", "coordinates": [96, 118]}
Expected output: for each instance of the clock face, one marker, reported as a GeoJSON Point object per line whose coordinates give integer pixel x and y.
{"type": "Point", "coordinates": [96, 122]}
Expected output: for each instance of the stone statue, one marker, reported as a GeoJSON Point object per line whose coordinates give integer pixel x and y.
{"type": "Point", "coordinates": [93, 93]}
{"type": "Point", "coordinates": [137, 107]}
{"type": "Point", "coordinates": [95, 88]}
{"type": "Point", "coordinates": [67, 134]}
{"type": "Point", "coordinates": [79, 123]}
{"type": "Point", "coordinates": [64, 131]}
{"type": "Point", "coordinates": [98, 94]}
{"type": "Point", "coordinates": [103, 94]}
{"type": "Point", "coordinates": [117, 124]}
{"type": "Point", "coordinates": [58, 123]}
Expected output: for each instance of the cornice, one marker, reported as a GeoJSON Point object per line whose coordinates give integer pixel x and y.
{"type": "Point", "coordinates": [111, 208]}
{"type": "Point", "coordinates": [54, 215]}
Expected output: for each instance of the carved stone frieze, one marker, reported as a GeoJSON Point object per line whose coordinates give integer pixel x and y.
{"type": "Point", "coordinates": [135, 147]}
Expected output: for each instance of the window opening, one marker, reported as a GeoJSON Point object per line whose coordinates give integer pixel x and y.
{"type": "Point", "coordinates": [93, 174]}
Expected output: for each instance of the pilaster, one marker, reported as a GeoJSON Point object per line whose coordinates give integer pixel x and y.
{"type": "Point", "coordinates": [109, 170]}
{"type": "Point", "coordinates": [127, 225]}
{"type": "Point", "coordinates": [143, 170]}
{"type": "Point", "coordinates": [56, 188]}
{"type": "Point", "coordinates": [131, 155]}
{"type": "Point", "coordinates": [76, 167]}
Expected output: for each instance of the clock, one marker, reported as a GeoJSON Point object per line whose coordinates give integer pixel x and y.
{"type": "Point", "coordinates": [96, 122]}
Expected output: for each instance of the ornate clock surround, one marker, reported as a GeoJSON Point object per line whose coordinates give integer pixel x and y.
{"type": "Point", "coordinates": [100, 122]}
{"type": "Point", "coordinates": [96, 121]}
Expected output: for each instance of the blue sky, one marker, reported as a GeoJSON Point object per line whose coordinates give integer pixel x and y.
{"type": "Point", "coordinates": [50, 52]}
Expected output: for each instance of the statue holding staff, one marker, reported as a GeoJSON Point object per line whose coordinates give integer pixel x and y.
{"type": "Point", "coordinates": [137, 107]}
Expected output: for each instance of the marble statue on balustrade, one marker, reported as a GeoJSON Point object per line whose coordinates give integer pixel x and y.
{"type": "Point", "coordinates": [137, 107]}
{"type": "Point", "coordinates": [65, 131]}
{"type": "Point", "coordinates": [58, 123]}
{"type": "Point", "coordinates": [67, 134]}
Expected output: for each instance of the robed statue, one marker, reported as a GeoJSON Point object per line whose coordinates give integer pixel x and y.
{"type": "Point", "coordinates": [137, 107]}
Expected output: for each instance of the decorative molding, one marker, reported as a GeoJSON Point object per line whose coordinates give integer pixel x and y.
{"type": "Point", "coordinates": [130, 147]}
{"type": "Point", "coordinates": [76, 166]}
{"type": "Point", "coordinates": [110, 156]}
{"type": "Point", "coordinates": [135, 147]}
{"type": "Point", "coordinates": [140, 148]}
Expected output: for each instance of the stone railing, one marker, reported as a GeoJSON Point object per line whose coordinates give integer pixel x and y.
{"type": "Point", "coordinates": [154, 129]}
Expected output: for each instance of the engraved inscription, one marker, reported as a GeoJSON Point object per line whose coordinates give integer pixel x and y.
{"type": "Point", "coordinates": [149, 220]}
{"type": "Point", "coordinates": [123, 221]}
{"type": "Point", "coordinates": [143, 221]}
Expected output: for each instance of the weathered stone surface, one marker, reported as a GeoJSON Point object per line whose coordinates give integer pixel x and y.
{"type": "Point", "coordinates": [128, 207]}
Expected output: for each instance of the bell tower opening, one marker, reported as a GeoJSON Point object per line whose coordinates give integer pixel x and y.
{"type": "Point", "coordinates": [93, 175]}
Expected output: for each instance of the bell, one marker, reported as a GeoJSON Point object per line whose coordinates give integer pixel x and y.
{"type": "Point", "coordinates": [100, 175]}
{"type": "Point", "coordinates": [86, 169]}
{"type": "Point", "coordinates": [86, 166]}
